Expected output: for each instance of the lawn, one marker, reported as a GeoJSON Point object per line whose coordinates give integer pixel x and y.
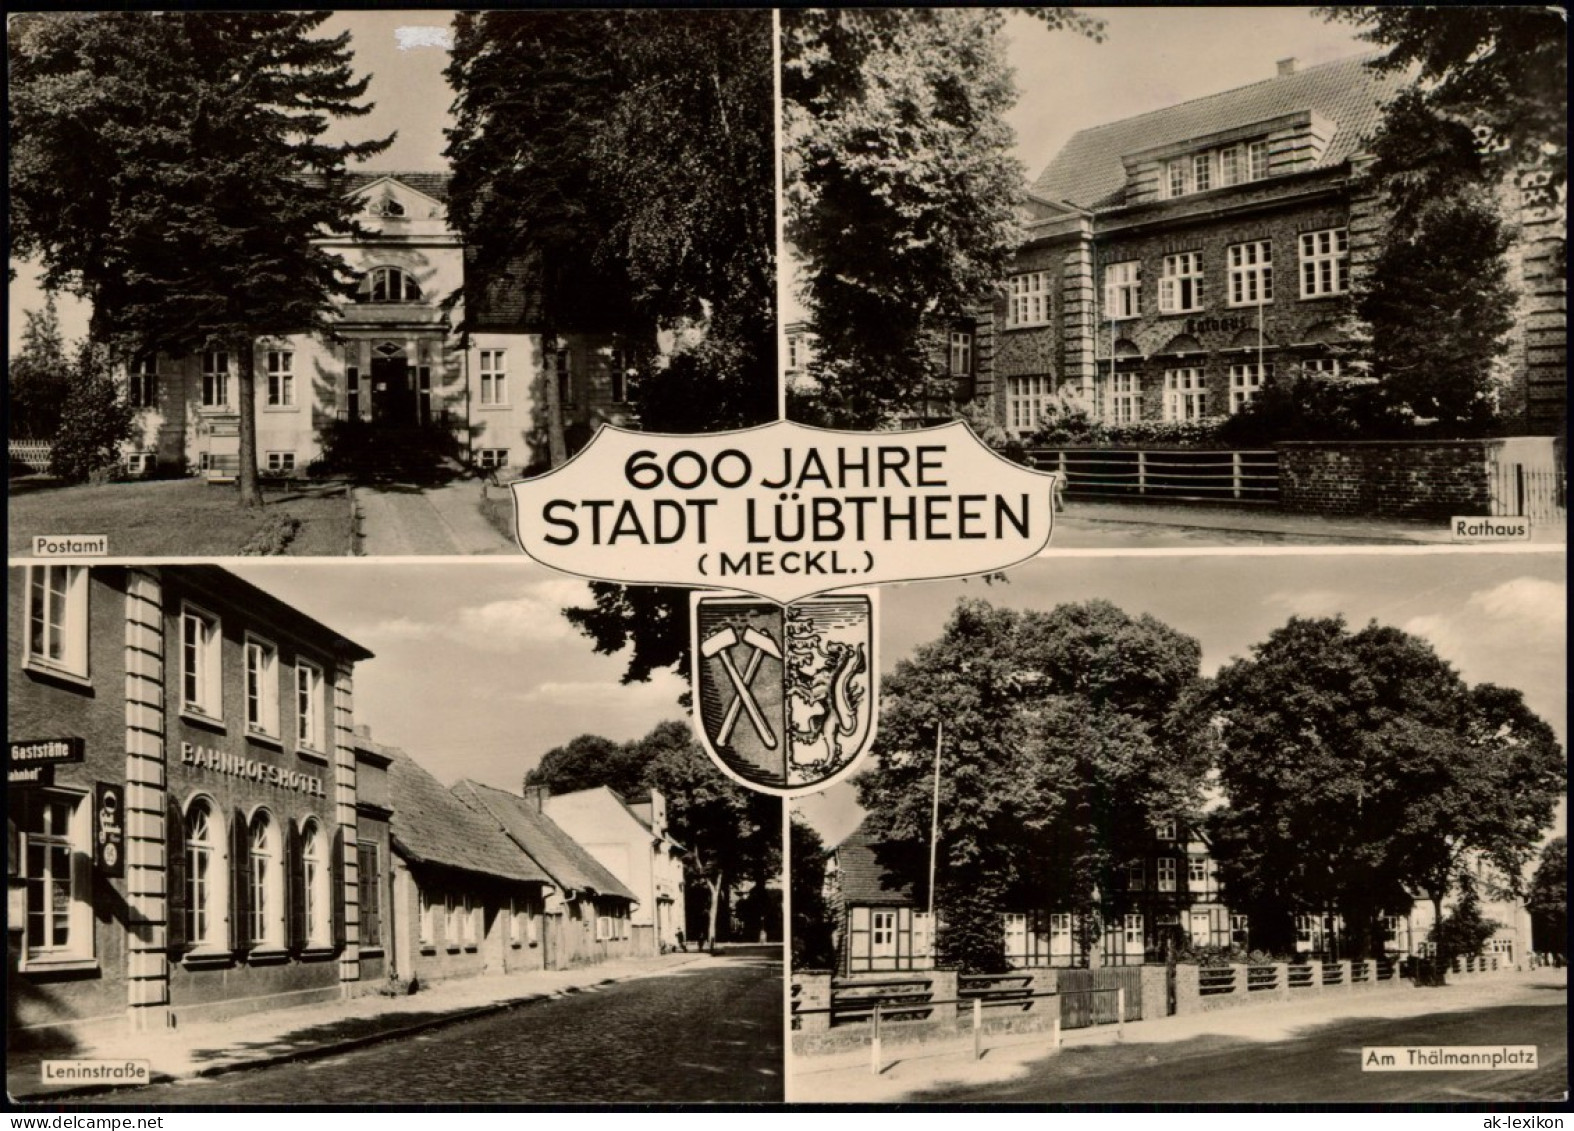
{"type": "Point", "coordinates": [182, 517]}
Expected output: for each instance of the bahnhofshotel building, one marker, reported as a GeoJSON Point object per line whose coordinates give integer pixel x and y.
{"type": "Point", "coordinates": [198, 828]}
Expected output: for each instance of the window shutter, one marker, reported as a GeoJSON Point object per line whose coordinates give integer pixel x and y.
{"type": "Point", "coordinates": [240, 882]}
{"type": "Point", "coordinates": [295, 893]}
{"type": "Point", "coordinates": [174, 876]}
{"type": "Point", "coordinates": [336, 878]}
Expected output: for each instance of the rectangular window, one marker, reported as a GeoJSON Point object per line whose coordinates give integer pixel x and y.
{"type": "Point", "coordinates": [1180, 283]}
{"type": "Point", "coordinates": [1202, 172]}
{"type": "Point", "coordinates": [1123, 290]}
{"type": "Point", "coordinates": [1256, 160]}
{"type": "Point", "coordinates": [1134, 876]}
{"type": "Point", "coordinates": [494, 377]}
{"type": "Point", "coordinates": [55, 871]}
{"type": "Point", "coordinates": [1060, 936]}
{"type": "Point", "coordinates": [281, 378]}
{"type": "Point", "coordinates": [215, 379]}
{"type": "Point", "coordinates": [1165, 830]}
{"type": "Point", "coordinates": [620, 370]}
{"type": "Point", "coordinates": [1251, 273]}
{"type": "Point", "coordinates": [1240, 932]}
{"type": "Point", "coordinates": [1322, 366]}
{"type": "Point", "coordinates": [309, 722]}
{"type": "Point", "coordinates": [490, 459]}
{"type": "Point", "coordinates": [1025, 397]}
{"type": "Point", "coordinates": [142, 383]}
{"type": "Point", "coordinates": [1124, 399]}
{"type": "Point", "coordinates": [428, 919]}
{"type": "Point", "coordinates": [280, 463]}
{"type": "Point", "coordinates": [515, 922]}
{"type": "Point", "coordinates": [1230, 165]}
{"type": "Point", "coordinates": [1201, 929]}
{"type": "Point", "coordinates": [200, 659]}
{"type": "Point", "coordinates": [1245, 381]}
{"type": "Point", "coordinates": [352, 393]}
{"type": "Point", "coordinates": [262, 687]}
{"type": "Point", "coordinates": [1133, 933]}
{"type": "Point", "coordinates": [1196, 872]}
{"type": "Point", "coordinates": [1185, 397]}
{"type": "Point", "coordinates": [451, 910]}
{"type": "Point", "coordinates": [1165, 872]}
{"type": "Point", "coordinates": [1175, 178]}
{"type": "Point", "coordinates": [882, 933]}
{"type": "Point", "coordinates": [468, 920]}
{"type": "Point", "coordinates": [960, 355]}
{"type": "Point", "coordinates": [1029, 299]}
{"type": "Point", "coordinates": [560, 365]}
{"type": "Point", "coordinates": [368, 886]}
{"type": "Point", "coordinates": [1325, 263]}
{"type": "Point", "coordinates": [57, 619]}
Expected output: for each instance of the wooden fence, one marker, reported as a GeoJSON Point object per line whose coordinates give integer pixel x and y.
{"type": "Point", "coordinates": [1178, 475]}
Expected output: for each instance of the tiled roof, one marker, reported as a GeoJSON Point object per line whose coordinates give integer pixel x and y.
{"type": "Point", "coordinates": [1088, 170]}
{"type": "Point", "coordinates": [434, 185]}
{"type": "Point", "coordinates": [432, 826]}
{"type": "Point", "coordinates": [568, 865]}
{"type": "Point", "coordinates": [863, 881]}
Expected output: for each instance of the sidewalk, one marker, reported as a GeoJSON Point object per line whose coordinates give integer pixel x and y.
{"type": "Point", "coordinates": [1198, 519]}
{"type": "Point", "coordinates": [846, 1077]}
{"type": "Point", "coordinates": [311, 1031]}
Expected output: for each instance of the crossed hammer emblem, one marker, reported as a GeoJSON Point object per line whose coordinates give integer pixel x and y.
{"type": "Point", "coordinates": [720, 644]}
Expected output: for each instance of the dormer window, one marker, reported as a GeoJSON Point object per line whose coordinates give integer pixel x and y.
{"type": "Point", "coordinates": [387, 206]}
{"type": "Point", "coordinates": [388, 284]}
{"type": "Point", "coordinates": [1216, 168]}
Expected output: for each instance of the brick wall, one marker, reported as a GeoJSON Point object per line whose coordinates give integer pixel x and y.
{"type": "Point", "coordinates": [1398, 479]}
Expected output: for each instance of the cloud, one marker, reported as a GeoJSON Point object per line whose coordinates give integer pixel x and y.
{"type": "Point", "coordinates": [519, 623]}
{"type": "Point", "coordinates": [514, 624]}
{"type": "Point", "coordinates": [604, 696]}
{"type": "Point", "coordinates": [1532, 602]}
{"type": "Point", "coordinates": [414, 37]}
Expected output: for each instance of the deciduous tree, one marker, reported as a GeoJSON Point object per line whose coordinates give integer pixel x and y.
{"type": "Point", "coordinates": [1548, 899]}
{"type": "Point", "coordinates": [1063, 745]}
{"type": "Point", "coordinates": [94, 419]}
{"type": "Point", "coordinates": [900, 189]}
{"type": "Point", "coordinates": [169, 167]}
{"type": "Point", "coordinates": [1360, 771]}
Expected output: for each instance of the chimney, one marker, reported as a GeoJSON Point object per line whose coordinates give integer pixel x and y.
{"type": "Point", "coordinates": [537, 796]}
{"type": "Point", "coordinates": [1287, 67]}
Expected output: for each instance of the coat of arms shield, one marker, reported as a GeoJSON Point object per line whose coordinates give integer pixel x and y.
{"type": "Point", "coordinates": [785, 695]}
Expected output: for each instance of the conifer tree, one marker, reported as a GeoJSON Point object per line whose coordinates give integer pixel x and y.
{"type": "Point", "coordinates": [169, 167]}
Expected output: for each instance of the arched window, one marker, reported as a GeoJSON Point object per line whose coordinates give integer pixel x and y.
{"type": "Point", "coordinates": [265, 904]}
{"type": "Point", "coordinates": [314, 885]}
{"type": "Point", "coordinates": [205, 876]}
{"type": "Point", "coordinates": [389, 284]}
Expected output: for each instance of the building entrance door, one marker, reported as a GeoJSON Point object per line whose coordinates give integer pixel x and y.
{"type": "Point", "coordinates": [393, 392]}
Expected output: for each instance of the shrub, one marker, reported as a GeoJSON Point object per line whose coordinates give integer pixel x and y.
{"type": "Point", "coordinates": [94, 421]}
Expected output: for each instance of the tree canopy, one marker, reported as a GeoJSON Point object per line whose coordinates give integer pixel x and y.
{"type": "Point", "coordinates": [1064, 744]}
{"type": "Point", "coordinates": [1438, 299]}
{"type": "Point", "coordinates": [1548, 898]}
{"type": "Point", "coordinates": [1502, 71]}
{"type": "Point", "coordinates": [1359, 768]}
{"type": "Point", "coordinates": [38, 377]}
{"type": "Point", "coordinates": [730, 834]}
{"type": "Point", "coordinates": [812, 947]}
{"type": "Point", "coordinates": [169, 168]}
{"type": "Point", "coordinates": [628, 158]}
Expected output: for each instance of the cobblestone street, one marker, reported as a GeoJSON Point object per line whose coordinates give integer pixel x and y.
{"type": "Point", "coordinates": [707, 1031]}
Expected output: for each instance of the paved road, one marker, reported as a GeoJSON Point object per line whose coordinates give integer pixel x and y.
{"type": "Point", "coordinates": [707, 1031]}
{"type": "Point", "coordinates": [1319, 1065]}
{"type": "Point", "coordinates": [406, 520]}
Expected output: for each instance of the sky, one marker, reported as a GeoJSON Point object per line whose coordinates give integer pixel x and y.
{"type": "Point", "coordinates": [1151, 57]}
{"type": "Point", "coordinates": [1497, 617]}
{"type": "Point", "coordinates": [476, 672]}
